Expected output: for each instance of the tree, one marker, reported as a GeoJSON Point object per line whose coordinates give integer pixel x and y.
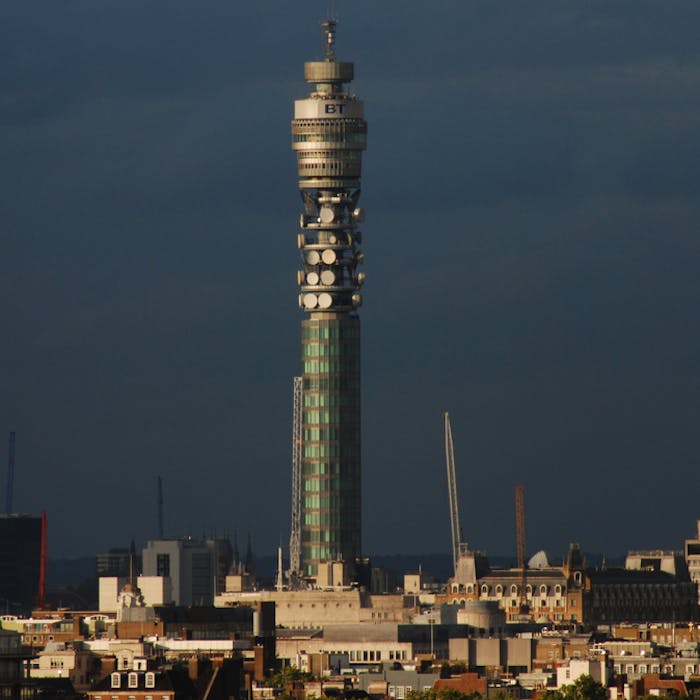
{"type": "Point", "coordinates": [584, 688]}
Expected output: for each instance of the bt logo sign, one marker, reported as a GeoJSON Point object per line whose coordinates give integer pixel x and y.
{"type": "Point", "coordinates": [334, 108]}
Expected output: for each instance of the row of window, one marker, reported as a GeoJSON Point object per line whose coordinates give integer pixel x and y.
{"type": "Point", "coordinates": [329, 136]}
{"type": "Point", "coordinates": [320, 552]}
{"type": "Point", "coordinates": [542, 603]}
{"type": "Point", "coordinates": [334, 501]}
{"type": "Point", "coordinates": [641, 669]}
{"type": "Point", "coordinates": [340, 167]}
{"type": "Point", "coordinates": [349, 468]}
{"type": "Point", "coordinates": [335, 156]}
{"type": "Point", "coordinates": [315, 519]}
{"type": "Point", "coordinates": [514, 590]}
{"type": "Point", "coordinates": [133, 697]}
{"type": "Point", "coordinates": [331, 399]}
{"type": "Point", "coordinates": [348, 382]}
{"type": "Point", "coordinates": [316, 434]}
{"type": "Point", "coordinates": [318, 330]}
{"type": "Point", "coordinates": [350, 364]}
{"type": "Point", "coordinates": [329, 484]}
{"type": "Point", "coordinates": [338, 349]}
{"type": "Point", "coordinates": [320, 536]}
{"type": "Point", "coordinates": [331, 450]}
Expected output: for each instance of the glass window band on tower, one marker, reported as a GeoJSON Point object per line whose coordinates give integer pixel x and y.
{"type": "Point", "coordinates": [330, 440]}
{"type": "Point", "coordinates": [329, 134]}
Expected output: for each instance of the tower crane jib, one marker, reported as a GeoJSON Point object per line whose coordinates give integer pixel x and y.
{"type": "Point", "coordinates": [452, 492]}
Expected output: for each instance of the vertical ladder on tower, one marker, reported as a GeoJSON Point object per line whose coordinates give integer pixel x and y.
{"type": "Point", "coordinates": [452, 491]}
{"type": "Point", "coordinates": [295, 536]}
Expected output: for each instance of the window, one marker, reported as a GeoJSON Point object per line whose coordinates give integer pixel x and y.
{"type": "Point", "coordinates": [163, 565]}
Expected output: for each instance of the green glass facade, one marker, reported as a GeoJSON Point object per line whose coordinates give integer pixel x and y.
{"type": "Point", "coordinates": [331, 483]}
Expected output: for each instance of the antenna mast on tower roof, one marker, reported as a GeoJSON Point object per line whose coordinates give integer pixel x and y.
{"type": "Point", "coordinates": [328, 26]}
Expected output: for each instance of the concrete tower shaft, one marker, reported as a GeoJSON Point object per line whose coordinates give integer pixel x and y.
{"type": "Point", "coordinates": [329, 134]}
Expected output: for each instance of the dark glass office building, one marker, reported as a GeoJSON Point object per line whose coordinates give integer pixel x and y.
{"type": "Point", "coordinates": [329, 134]}
{"type": "Point", "coordinates": [20, 562]}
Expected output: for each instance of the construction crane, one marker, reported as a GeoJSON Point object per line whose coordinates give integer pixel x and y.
{"type": "Point", "coordinates": [295, 535]}
{"type": "Point", "coordinates": [457, 544]}
{"type": "Point", "coordinates": [10, 474]}
{"type": "Point", "coordinates": [520, 543]}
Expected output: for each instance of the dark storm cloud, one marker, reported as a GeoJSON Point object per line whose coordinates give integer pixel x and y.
{"type": "Point", "coordinates": [531, 186]}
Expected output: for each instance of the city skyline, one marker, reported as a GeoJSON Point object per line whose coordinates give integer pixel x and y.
{"type": "Point", "coordinates": [531, 184]}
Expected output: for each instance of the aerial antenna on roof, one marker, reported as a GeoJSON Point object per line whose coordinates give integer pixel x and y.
{"type": "Point", "coordinates": [328, 28]}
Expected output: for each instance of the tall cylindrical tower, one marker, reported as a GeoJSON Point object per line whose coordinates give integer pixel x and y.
{"type": "Point", "coordinates": [329, 134]}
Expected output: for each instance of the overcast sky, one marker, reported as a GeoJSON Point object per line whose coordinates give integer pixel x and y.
{"type": "Point", "coordinates": [532, 187]}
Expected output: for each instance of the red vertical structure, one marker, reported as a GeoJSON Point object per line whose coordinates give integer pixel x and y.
{"type": "Point", "coordinates": [520, 538]}
{"type": "Point", "coordinates": [42, 564]}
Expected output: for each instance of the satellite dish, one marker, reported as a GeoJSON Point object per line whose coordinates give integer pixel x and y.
{"type": "Point", "coordinates": [356, 300]}
{"type": "Point", "coordinates": [312, 278]}
{"type": "Point", "coordinates": [310, 301]}
{"type": "Point", "coordinates": [332, 240]}
{"type": "Point", "coordinates": [325, 300]}
{"type": "Point", "coordinates": [327, 277]}
{"type": "Point", "coordinates": [313, 258]}
{"type": "Point", "coordinates": [300, 277]}
{"type": "Point", "coordinates": [328, 256]}
{"type": "Point", "coordinates": [326, 215]}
